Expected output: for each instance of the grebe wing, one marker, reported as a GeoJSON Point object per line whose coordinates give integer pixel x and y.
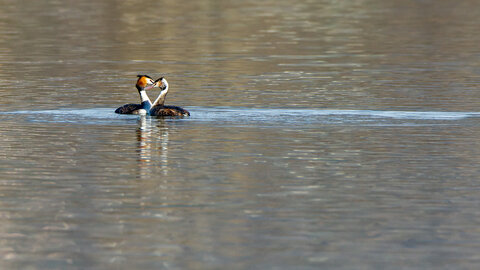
{"type": "Point", "coordinates": [128, 108]}
{"type": "Point", "coordinates": [168, 111]}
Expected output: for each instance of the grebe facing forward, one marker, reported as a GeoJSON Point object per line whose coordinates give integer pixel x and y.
{"type": "Point", "coordinates": [144, 83]}
{"type": "Point", "coordinates": [158, 107]}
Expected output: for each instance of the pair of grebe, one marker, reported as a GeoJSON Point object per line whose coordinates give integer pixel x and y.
{"type": "Point", "coordinates": [157, 108]}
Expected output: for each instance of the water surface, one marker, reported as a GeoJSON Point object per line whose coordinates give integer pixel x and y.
{"type": "Point", "coordinates": [323, 135]}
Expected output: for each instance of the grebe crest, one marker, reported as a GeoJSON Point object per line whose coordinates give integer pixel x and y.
{"type": "Point", "coordinates": [143, 82]}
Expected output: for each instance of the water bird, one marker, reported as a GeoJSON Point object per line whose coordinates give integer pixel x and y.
{"type": "Point", "coordinates": [158, 107]}
{"type": "Point", "coordinates": [144, 83]}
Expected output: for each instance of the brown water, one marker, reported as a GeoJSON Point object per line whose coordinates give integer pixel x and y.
{"type": "Point", "coordinates": [324, 135]}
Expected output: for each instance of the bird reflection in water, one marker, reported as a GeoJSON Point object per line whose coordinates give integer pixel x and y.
{"type": "Point", "coordinates": [152, 138]}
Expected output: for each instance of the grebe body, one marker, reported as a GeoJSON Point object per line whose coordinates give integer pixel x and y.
{"type": "Point", "coordinates": [133, 109]}
{"type": "Point", "coordinates": [166, 110]}
{"type": "Point", "coordinates": [158, 107]}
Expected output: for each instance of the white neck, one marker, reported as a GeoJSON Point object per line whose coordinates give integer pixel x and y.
{"type": "Point", "coordinates": [144, 96]}
{"type": "Point", "coordinates": [160, 100]}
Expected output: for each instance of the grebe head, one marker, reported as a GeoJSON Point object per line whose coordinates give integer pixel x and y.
{"type": "Point", "coordinates": [163, 84]}
{"type": "Point", "coordinates": [160, 83]}
{"type": "Point", "coordinates": [144, 82]}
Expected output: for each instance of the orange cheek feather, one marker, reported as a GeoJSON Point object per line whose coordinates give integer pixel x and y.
{"type": "Point", "coordinates": [142, 82]}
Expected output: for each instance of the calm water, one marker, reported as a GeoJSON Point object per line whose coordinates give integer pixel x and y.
{"type": "Point", "coordinates": [324, 135]}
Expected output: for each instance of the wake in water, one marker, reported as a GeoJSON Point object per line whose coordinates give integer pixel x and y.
{"type": "Point", "coordinates": [250, 116]}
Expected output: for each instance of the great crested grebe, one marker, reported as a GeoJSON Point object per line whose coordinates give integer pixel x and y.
{"type": "Point", "coordinates": [158, 107]}
{"type": "Point", "coordinates": [144, 83]}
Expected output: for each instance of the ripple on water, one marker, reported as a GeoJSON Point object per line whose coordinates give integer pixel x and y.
{"type": "Point", "coordinates": [240, 116]}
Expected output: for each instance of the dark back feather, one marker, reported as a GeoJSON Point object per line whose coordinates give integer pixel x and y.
{"type": "Point", "coordinates": [168, 111]}
{"type": "Point", "coordinates": [128, 108]}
